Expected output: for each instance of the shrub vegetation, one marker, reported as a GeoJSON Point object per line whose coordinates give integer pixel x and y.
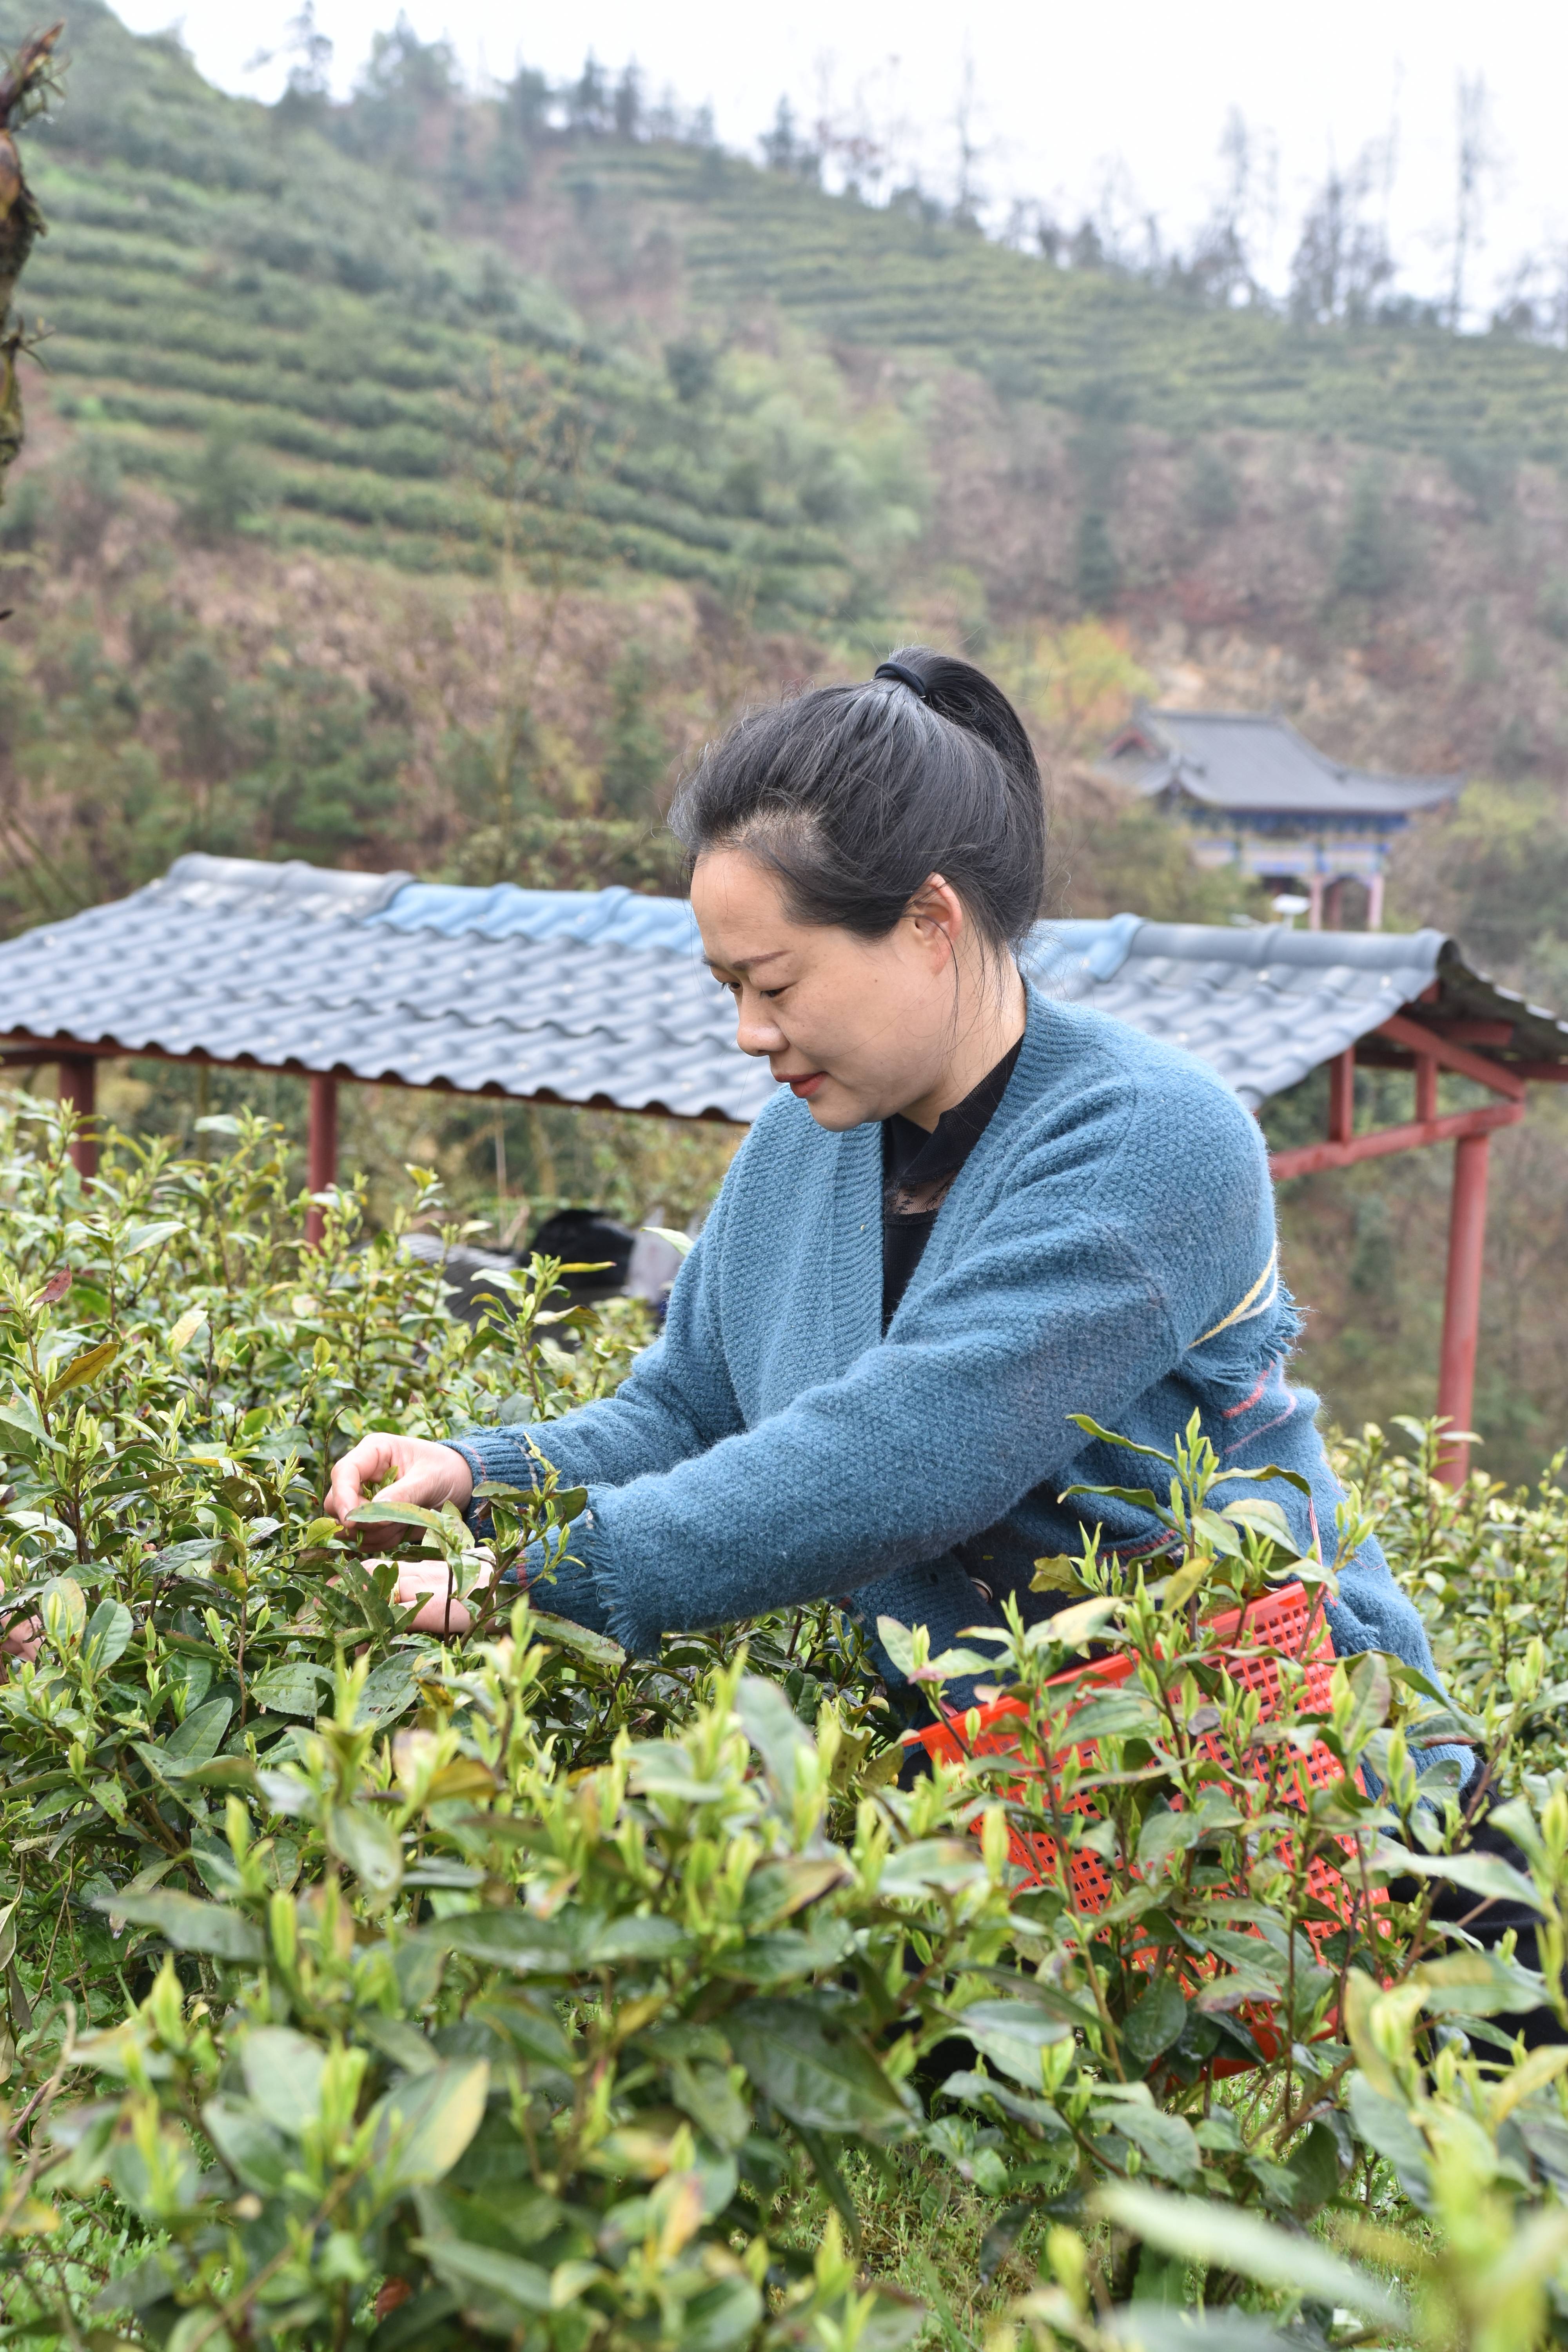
{"type": "Point", "coordinates": [363, 1987]}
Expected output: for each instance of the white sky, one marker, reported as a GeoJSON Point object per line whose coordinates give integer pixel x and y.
{"type": "Point", "coordinates": [1061, 89]}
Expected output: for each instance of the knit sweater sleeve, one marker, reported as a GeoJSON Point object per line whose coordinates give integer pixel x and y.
{"type": "Point", "coordinates": [677, 1400]}
{"type": "Point", "coordinates": [1115, 1243]}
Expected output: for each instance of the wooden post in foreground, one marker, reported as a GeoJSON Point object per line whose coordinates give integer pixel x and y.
{"type": "Point", "coordinates": [1462, 1301]}
{"type": "Point", "coordinates": [78, 1076]}
{"type": "Point", "coordinates": [322, 1150]}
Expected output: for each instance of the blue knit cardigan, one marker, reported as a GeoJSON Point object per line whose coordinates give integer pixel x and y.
{"type": "Point", "coordinates": [1107, 1248]}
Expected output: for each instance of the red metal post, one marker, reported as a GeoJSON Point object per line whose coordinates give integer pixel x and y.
{"type": "Point", "coordinates": [1341, 1097]}
{"type": "Point", "coordinates": [1462, 1300]}
{"type": "Point", "coordinates": [323, 1152]}
{"type": "Point", "coordinates": [76, 1087]}
{"type": "Point", "coordinates": [1426, 1087]}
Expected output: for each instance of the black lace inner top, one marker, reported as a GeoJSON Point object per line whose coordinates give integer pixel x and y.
{"type": "Point", "coordinates": [918, 1172]}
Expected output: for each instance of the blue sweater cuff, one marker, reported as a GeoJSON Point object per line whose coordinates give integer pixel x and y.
{"type": "Point", "coordinates": [563, 1583]}
{"type": "Point", "coordinates": [638, 1632]}
{"type": "Point", "coordinates": [495, 1454]}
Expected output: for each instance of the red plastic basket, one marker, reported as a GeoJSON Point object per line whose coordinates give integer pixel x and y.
{"type": "Point", "coordinates": [1248, 1643]}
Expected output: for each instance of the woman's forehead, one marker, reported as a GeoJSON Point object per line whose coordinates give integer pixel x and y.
{"type": "Point", "coordinates": [741, 911]}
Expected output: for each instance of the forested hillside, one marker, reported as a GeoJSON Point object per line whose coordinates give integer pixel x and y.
{"type": "Point", "coordinates": [417, 482]}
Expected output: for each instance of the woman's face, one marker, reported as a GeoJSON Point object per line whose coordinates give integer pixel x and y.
{"type": "Point", "coordinates": [858, 1028]}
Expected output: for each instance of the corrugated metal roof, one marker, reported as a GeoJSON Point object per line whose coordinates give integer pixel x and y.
{"type": "Point", "coordinates": [1255, 765]}
{"type": "Point", "coordinates": [602, 996]}
{"type": "Point", "coordinates": [1260, 1006]}
{"type": "Point", "coordinates": [586, 997]}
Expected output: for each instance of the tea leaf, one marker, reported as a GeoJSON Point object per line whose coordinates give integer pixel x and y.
{"type": "Point", "coordinates": [83, 1368]}
{"type": "Point", "coordinates": [284, 2072]}
{"type": "Point", "coordinates": [188, 1924]}
{"type": "Point", "coordinates": [108, 1634]}
{"type": "Point", "coordinates": [422, 2127]}
{"type": "Point", "coordinates": [292, 1689]}
{"type": "Point", "coordinates": [814, 2068]}
{"type": "Point", "coordinates": [1198, 2230]}
{"type": "Point", "coordinates": [1155, 2022]}
{"type": "Point", "coordinates": [185, 1329]}
{"type": "Point", "coordinates": [368, 1847]}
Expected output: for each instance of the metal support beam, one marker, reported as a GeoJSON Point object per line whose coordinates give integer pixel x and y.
{"type": "Point", "coordinates": [1462, 1302]}
{"type": "Point", "coordinates": [20, 1048]}
{"type": "Point", "coordinates": [1418, 1039]}
{"type": "Point", "coordinates": [77, 1091]}
{"type": "Point", "coordinates": [1312, 1159]}
{"type": "Point", "coordinates": [321, 1155]}
{"type": "Point", "coordinates": [1426, 1087]}
{"type": "Point", "coordinates": [1341, 1097]}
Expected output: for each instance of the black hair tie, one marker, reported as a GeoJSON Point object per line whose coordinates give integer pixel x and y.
{"type": "Point", "coordinates": [911, 678]}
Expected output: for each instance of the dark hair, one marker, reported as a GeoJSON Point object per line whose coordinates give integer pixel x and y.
{"type": "Point", "coordinates": [856, 794]}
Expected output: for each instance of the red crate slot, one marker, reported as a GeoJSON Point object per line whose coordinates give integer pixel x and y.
{"type": "Point", "coordinates": [1249, 1643]}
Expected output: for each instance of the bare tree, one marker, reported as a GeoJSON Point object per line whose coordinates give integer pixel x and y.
{"type": "Point", "coordinates": [1532, 302]}
{"type": "Point", "coordinates": [1224, 265]}
{"type": "Point", "coordinates": [1342, 263]}
{"type": "Point", "coordinates": [1120, 233]}
{"type": "Point", "coordinates": [866, 144]}
{"type": "Point", "coordinates": [967, 195]}
{"type": "Point", "coordinates": [1476, 163]}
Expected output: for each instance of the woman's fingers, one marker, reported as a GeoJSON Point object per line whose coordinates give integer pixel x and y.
{"type": "Point", "coordinates": [442, 1613]}
{"type": "Point", "coordinates": [421, 1472]}
{"type": "Point", "coordinates": [361, 1468]}
{"type": "Point", "coordinates": [21, 1638]}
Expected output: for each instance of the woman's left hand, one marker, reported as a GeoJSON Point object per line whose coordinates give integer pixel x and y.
{"type": "Point", "coordinates": [442, 1613]}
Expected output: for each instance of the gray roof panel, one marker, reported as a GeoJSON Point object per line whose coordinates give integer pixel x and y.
{"type": "Point", "coordinates": [602, 997]}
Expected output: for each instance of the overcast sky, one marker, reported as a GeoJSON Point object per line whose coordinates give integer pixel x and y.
{"type": "Point", "coordinates": [1060, 90]}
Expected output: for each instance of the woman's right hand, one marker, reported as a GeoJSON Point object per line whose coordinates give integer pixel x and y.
{"type": "Point", "coordinates": [420, 1471]}
{"type": "Point", "coordinates": [20, 1638]}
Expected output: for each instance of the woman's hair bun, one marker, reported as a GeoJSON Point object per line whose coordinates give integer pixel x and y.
{"type": "Point", "coordinates": [957, 690]}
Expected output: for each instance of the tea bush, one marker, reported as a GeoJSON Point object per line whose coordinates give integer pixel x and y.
{"type": "Point", "coordinates": [365, 1988]}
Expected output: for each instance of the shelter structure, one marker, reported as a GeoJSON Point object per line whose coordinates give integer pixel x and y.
{"type": "Point", "coordinates": [1257, 794]}
{"type": "Point", "coordinates": [601, 999]}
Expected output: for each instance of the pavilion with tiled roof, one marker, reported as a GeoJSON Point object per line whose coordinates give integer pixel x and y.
{"type": "Point", "coordinates": [1257, 796]}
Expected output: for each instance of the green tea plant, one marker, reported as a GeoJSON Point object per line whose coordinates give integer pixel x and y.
{"type": "Point", "coordinates": [1481, 2155]}
{"type": "Point", "coordinates": [541, 2044]}
{"type": "Point", "coordinates": [363, 1987]}
{"type": "Point", "coordinates": [1487, 1566]}
{"type": "Point", "coordinates": [1237, 1903]}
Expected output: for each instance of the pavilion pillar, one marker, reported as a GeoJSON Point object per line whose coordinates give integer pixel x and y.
{"type": "Point", "coordinates": [1374, 901]}
{"type": "Point", "coordinates": [322, 1154]}
{"type": "Point", "coordinates": [1462, 1302]}
{"type": "Point", "coordinates": [1341, 1097]}
{"type": "Point", "coordinates": [77, 1089]}
{"type": "Point", "coordinates": [1314, 902]}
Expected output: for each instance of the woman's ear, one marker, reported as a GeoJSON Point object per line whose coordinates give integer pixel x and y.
{"type": "Point", "coordinates": [937, 912]}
